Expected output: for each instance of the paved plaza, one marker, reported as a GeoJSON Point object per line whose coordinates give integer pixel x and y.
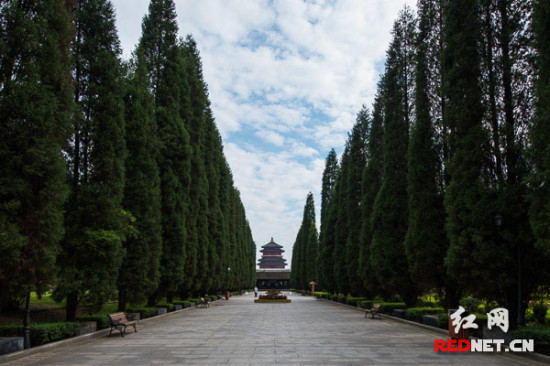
{"type": "Point", "coordinates": [239, 332]}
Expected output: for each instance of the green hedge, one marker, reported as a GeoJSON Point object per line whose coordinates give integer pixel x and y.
{"type": "Point", "coordinates": [353, 301]}
{"type": "Point", "coordinates": [101, 319]}
{"type": "Point", "coordinates": [387, 307]}
{"type": "Point", "coordinates": [416, 314]}
{"type": "Point", "coordinates": [539, 334]}
{"type": "Point", "coordinates": [184, 304]}
{"type": "Point", "coordinates": [42, 333]}
{"type": "Point", "coordinates": [144, 311]}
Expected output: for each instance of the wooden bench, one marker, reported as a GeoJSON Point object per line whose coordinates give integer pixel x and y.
{"type": "Point", "coordinates": [203, 303]}
{"type": "Point", "coordinates": [374, 310]}
{"type": "Point", "coordinates": [120, 322]}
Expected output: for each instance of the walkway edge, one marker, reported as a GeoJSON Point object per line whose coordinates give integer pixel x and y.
{"type": "Point", "coordinates": [532, 355]}
{"type": "Point", "coordinates": [79, 339]}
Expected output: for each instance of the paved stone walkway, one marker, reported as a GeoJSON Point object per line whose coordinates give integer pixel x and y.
{"type": "Point", "coordinates": [239, 332]}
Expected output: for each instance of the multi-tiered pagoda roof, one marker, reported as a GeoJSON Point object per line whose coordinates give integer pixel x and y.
{"type": "Point", "coordinates": [272, 256]}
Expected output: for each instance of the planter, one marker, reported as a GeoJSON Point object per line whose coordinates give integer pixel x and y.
{"type": "Point", "coordinates": [10, 344]}
{"type": "Point", "coordinates": [399, 313]}
{"type": "Point", "coordinates": [86, 327]}
{"type": "Point", "coordinates": [178, 307]}
{"type": "Point", "coordinates": [431, 320]}
{"type": "Point", "coordinates": [161, 311]}
{"type": "Point", "coordinates": [192, 303]}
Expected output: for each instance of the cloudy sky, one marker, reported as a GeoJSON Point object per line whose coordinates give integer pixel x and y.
{"type": "Point", "coordinates": [286, 79]}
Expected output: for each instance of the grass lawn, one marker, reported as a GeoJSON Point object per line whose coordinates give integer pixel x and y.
{"type": "Point", "coordinates": [45, 301]}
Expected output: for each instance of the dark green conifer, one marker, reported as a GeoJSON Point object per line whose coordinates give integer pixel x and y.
{"type": "Point", "coordinates": [353, 175]}
{"type": "Point", "coordinates": [389, 218]}
{"type": "Point", "coordinates": [166, 65]}
{"type": "Point", "coordinates": [426, 243]}
{"type": "Point", "coordinates": [470, 224]}
{"type": "Point", "coordinates": [371, 181]}
{"type": "Point", "coordinates": [139, 276]}
{"type": "Point", "coordinates": [325, 248]}
{"type": "Point", "coordinates": [540, 134]}
{"type": "Point", "coordinates": [303, 266]}
{"type": "Point", "coordinates": [92, 248]}
{"type": "Point", "coordinates": [35, 109]}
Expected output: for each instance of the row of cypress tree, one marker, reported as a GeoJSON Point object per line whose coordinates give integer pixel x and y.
{"type": "Point", "coordinates": [113, 173]}
{"type": "Point", "coordinates": [444, 185]}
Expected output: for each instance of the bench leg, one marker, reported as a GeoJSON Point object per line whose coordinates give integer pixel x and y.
{"type": "Point", "coordinates": [135, 330]}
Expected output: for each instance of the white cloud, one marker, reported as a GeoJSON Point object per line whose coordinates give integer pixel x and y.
{"type": "Point", "coordinates": [289, 76]}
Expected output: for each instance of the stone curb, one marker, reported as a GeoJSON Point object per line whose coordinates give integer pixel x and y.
{"type": "Point", "coordinates": [531, 355]}
{"type": "Point", "coordinates": [82, 338]}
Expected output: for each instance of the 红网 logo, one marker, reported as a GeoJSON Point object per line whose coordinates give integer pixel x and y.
{"type": "Point", "coordinates": [496, 317]}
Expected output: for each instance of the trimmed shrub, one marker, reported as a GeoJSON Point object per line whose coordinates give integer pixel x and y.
{"type": "Point", "coordinates": [184, 304]}
{"type": "Point", "coordinates": [541, 335]}
{"type": "Point", "coordinates": [350, 300]}
{"type": "Point", "coordinates": [387, 307]}
{"type": "Point", "coordinates": [443, 320]}
{"type": "Point", "coordinates": [539, 313]}
{"type": "Point", "coordinates": [144, 311]}
{"type": "Point", "coordinates": [101, 319]}
{"type": "Point", "coordinates": [42, 333]}
{"type": "Point", "coordinates": [416, 314]}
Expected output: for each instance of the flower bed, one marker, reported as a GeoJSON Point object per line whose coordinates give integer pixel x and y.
{"type": "Point", "coordinates": [272, 296]}
{"type": "Point", "coordinates": [272, 300]}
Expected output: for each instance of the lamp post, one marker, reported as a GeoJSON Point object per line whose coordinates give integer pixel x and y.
{"type": "Point", "coordinates": [520, 321]}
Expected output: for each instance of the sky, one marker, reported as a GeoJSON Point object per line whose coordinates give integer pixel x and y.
{"type": "Point", "coordinates": [286, 79]}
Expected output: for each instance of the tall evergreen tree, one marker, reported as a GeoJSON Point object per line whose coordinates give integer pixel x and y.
{"type": "Point", "coordinates": [303, 264]}
{"type": "Point", "coordinates": [390, 215]}
{"type": "Point", "coordinates": [353, 175]}
{"type": "Point", "coordinates": [540, 134]}
{"type": "Point", "coordinates": [312, 255]}
{"type": "Point", "coordinates": [371, 181]}
{"type": "Point", "coordinates": [425, 242]}
{"type": "Point", "coordinates": [165, 63]}
{"type": "Point", "coordinates": [325, 247]}
{"type": "Point", "coordinates": [338, 217]}
{"type": "Point", "coordinates": [196, 124]}
{"type": "Point", "coordinates": [469, 226]}
{"type": "Point", "coordinates": [92, 248]}
{"type": "Point", "coordinates": [35, 108]}
{"type": "Point", "coordinates": [507, 118]}
{"type": "Point", "coordinates": [139, 277]}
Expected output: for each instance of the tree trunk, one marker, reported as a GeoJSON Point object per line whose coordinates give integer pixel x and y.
{"type": "Point", "coordinates": [72, 303]}
{"type": "Point", "coordinates": [27, 322]}
{"type": "Point", "coordinates": [121, 300]}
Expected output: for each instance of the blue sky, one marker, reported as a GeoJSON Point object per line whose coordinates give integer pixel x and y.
{"type": "Point", "coordinates": [286, 79]}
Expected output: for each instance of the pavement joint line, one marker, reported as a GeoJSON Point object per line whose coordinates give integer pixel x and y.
{"type": "Point", "coordinates": [83, 338]}
{"type": "Point", "coordinates": [429, 329]}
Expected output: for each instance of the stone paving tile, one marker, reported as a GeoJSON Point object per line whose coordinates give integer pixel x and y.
{"type": "Point", "coordinates": [239, 332]}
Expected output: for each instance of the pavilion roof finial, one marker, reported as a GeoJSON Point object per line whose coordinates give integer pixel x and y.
{"type": "Point", "coordinates": [272, 239]}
